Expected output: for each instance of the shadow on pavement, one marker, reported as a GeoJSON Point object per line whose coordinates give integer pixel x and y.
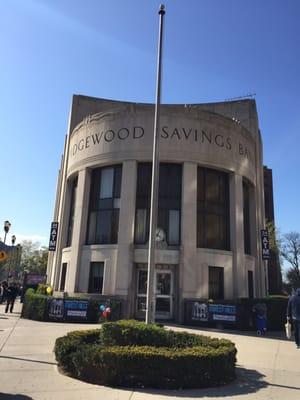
{"type": "Point", "coordinates": [29, 360]}
{"type": "Point", "coordinates": [269, 335]}
{"type": "Point", "coordinates": [248, 381]}
{"type": "Point", "coordinates": [7, 396]}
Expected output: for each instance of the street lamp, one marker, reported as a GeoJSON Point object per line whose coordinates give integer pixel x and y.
{"type": "Point", "coordinates": [7, 225]}
{"type": "Point", "coordinates": [12, 255]}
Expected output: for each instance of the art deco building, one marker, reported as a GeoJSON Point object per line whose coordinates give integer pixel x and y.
{"type": "Point", "coordinates": [210, 213]}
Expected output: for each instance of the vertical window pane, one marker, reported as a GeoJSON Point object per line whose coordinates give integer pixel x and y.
{"type": "Point", "coordinates": [63, 277]}
{"type": "Point", "coordinates": [114, 225]}
{"type": "Point", "coordinates": [103, 223]}
{"type": "Point", "coordinates": [246, 212]}
{"type": "Point", "coordinates": [212, 209]}
{"type": "Point", "coordinates": [104, 226]}
{"type": "Point", "coordinates": [216, 283]}
{"type": "Point", "coordinates": [106, 188]}
{"type": "Point", "coordinates": [142, 282]}
{"type": "Point", "coordinates": [117, 182]}
{"type": "Point", "coordinates": [141, 226]}
{"type": "Point", "coordinates": [92, 227]}
{"type": "Point", "coordinates": [169, 202]}
{"type": "Point", "coordinates": [96, 277]}
{"type": "Point", "coordinates": [250, 285]}
{"type": "Point", "coordinates": [72, 212]}
{"type": "Point", "coordinates": [174, 222]}
{"type": "Point", "coordinates": [212, 186]}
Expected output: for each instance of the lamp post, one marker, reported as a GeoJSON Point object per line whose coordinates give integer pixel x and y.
{"type": "Point", "coordinates": [7, 225]}
{"type": "Point", "coordinates": [11, 255]}
{"type": "Point", "coordinates": [13, 240]}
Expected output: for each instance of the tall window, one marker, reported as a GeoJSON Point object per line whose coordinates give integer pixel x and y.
{"type": "Point", "coordinates": [250, 285]}
{"type": "Point", "coordinates": [63, 277]}
{"type": "Point", "coordinates": [169, 203]}
{"type": "Point", "coordinates": [216, 283]}
{"type": "Point", "coordinates": [72, 211]}
{"type": "Point", "coordinates": [103, 223]}
{"type": "Point", "coordinates": [96, 277]}
{"type": "Point", "coordinates": [246, 209]}
{"type": "Point", "coordinates": [212, 209]}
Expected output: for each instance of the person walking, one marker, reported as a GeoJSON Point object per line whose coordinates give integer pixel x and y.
{"type": "Point", "coordinates": [3, 292]}
{"type": "Point", "coordinates": [293, 314]}
{"type": "Point", "coordinates": [11, 295]}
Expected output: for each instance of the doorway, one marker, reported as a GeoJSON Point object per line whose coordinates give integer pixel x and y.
{"type": "Point", "coordinates": [163, 291]}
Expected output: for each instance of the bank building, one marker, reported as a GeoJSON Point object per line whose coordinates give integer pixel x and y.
{"type": "Point", "coordinates": [210, 211]}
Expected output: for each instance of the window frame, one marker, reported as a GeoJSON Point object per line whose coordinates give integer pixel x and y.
{"type": "Point", "coordinates": [170, 199]}
{"type": "Point", "coordinates": [207, 208]}
{"type": "Point", "coordinates": [91, 288]}
{"type": "Point", "coordinates": [214, 271]}
{"type": "Point", "coordinates": [110, 206]}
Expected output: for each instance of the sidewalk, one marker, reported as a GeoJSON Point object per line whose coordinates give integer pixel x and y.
{"type": "Point", "coordinates": [268, 368]}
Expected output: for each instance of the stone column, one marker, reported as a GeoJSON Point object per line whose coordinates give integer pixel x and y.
{"type": "Point", "coordinates": [79, 229]}
{"type": "Point", "coordinates": [124, 265]}
{"type": "Point", "coordinates": [188, 284]}
{"type": "Point", "coordinates": [237, 236]}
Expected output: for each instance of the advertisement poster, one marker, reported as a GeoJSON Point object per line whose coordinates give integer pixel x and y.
{"type": "Point", "coordinates": [199, 311]}
{"type": "Point", "coordinates": [76, 309]}
{"type": "Point", "coordinates": [56, 309]}
{"type": "Point", "coordinates": [222, 312]}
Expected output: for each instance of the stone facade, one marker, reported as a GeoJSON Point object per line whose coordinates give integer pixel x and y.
{"type": "Point", "coordinates": [222, 137]}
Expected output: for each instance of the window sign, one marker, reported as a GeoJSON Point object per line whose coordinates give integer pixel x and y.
{"type": "Point", "coordinates": [53, 236]}
{"type": "Point", "coordinates": [265, 244]}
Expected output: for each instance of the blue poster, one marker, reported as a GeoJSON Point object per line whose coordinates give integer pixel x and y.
{"type": "Point", "coordinates": [76, 309]}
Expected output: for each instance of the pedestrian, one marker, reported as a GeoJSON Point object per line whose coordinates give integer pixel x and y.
{"type": "Point", "coordinates": [11, 297]}
{"type": "Point", "coordinates": [260, 312]}
{"type": "Point", "coordinates": [293, 314]}
{"type": "Point", "coordinates": [3, 292]}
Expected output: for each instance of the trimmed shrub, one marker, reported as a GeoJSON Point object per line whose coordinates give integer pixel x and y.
{"type": "Point", "coordinates": [131, 353]}
{"type": "Point", "coordinates": [34, 306]}
{"type": "Point", "coordinates": [42, 289]}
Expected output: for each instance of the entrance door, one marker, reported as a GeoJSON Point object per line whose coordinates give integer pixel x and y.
{"type": "Point", "coordinates": [163, 294]}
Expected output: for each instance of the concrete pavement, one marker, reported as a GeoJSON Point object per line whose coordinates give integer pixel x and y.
{"type": "Point", "coordinates": [268, 368]}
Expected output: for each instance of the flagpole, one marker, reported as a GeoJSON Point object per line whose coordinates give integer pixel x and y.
{"type": "Point", "coordinates": [150, 306]}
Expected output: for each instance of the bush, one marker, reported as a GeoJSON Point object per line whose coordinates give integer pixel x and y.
{"type": "Point", "coordinates": [34, 306]}
{"type": "Point", "coordinates": [131, 353]}
{"type": "Point", "coordinates": [42, 289]}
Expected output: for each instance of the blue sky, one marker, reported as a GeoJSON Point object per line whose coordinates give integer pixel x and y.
{"type": "Point", "coordinates": [213, 50]}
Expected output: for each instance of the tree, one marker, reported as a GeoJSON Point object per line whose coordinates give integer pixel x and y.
{"type": "Point", "coordinates": [34, 257]}
{"type": "Point", "coordinates": [290, 251]}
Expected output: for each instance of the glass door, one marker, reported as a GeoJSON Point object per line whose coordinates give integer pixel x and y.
{"type": "Point", "coordinates": [164, 294]}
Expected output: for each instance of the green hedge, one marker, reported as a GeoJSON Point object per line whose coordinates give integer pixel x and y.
{"type": "Point", "coordinates": [130, 353]}
{"type": "Point", "coordinates": [34, 306]}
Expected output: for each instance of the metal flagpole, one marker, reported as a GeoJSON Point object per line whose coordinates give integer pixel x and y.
{"type": "Point", "coordinates": [150, 307]}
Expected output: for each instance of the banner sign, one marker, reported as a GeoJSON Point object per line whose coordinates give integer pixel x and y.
{"type": "Point", "coordinates": [56, 309]}
{"type": "Point", "coordinates": [53, 236]}
{"type": "Point", "coordinates": [199, 311]}
{"type": "Point", "coordinates": [265, 244]}
{"type": "Point", "coordinates": [34, 279]}
{"type": "Point", "coordinates": [207, 312]}
{"type": "Point", "coordinates": [76, 309]}
{"type": "Point", "coordinates": [222, 312]}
